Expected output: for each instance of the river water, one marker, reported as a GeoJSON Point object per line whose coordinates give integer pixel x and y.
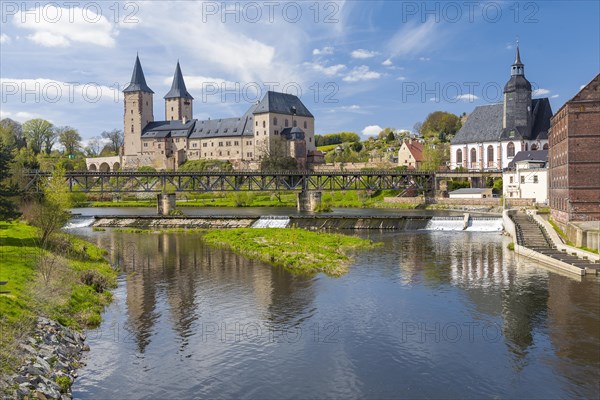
{"type": "Point", "coordinates": [427, 315]}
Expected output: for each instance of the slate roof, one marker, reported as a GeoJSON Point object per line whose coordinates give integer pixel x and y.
{"type": "Point", "coordinates": [294, 133]}
{"type": "Point", "coordinates": [282, 103]}
{"type": "Point", "coordinates": [223, 127]}
{"type": "Point", "coordinates": [537, 155]}
{"type": "Point", "coordinates": [178, 88]}
{"type": "Point", "coordinates": [138, 81]}
{"type": "Point", "coordinates": [484, 124]}
{"type": "Point", "coordinates": [164, 129]}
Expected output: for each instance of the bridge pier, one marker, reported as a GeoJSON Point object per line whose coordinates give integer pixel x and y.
{"type": "Point", "coordinates": [165, 203]}
{"type": "Point", "coordinates": [309, 200]}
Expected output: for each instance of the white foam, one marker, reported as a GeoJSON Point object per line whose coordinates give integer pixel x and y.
{"type": "Point", "coordinates": [457, 224]}
{"type": "Point", "coordinates": [269, 221]}
{"type": "Point", "coordinates": [80, 223]}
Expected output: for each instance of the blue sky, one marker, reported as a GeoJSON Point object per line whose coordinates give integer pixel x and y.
{"type": "Point", "coordinates": [359, 65]}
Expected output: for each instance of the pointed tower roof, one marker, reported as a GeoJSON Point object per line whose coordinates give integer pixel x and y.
{"type": "Point", "coordinates": [138, 81]}
{"type": "Point", "coordinates": [518, 57]}
{"type": "Point", "coordinates": [178, 89]}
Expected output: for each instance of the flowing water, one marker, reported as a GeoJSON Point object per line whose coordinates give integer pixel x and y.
{"type": "Point", "coordinates": [430, 314]}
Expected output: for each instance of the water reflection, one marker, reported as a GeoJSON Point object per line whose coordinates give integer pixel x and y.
{"type": "Point", "coordinates": [205, 322]}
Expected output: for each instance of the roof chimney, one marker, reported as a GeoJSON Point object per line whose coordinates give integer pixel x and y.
{"type": "Point", "coordinates": [184, 120]}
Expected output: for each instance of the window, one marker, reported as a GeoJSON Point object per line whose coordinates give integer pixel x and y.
{"type": "Point", "coordinates": [309, 140]}
{"type": "Point", "coordinates": [526, 146]}
{"type": "Point", "coordinates": [171, 108]}
{"type": "Point", "coordinates": [473, 156]}
{"type": "Point", "coordinates": [236, 143]}
{"type": "Point", "coordinates": [295, 123]}
{"type": "Point", "coordinates": [276, 132]}
{"type": "Point", "coordinates": [286, 123]}
{"type": "Point", "coordinates": [145, 144]}
{"type": "Point", "coordinates": [510, 149]}
{"type": "Point", "coordinates": [305, 125]}
{"type": "Point", "coordinates": [131, 128]}
{"type": "Point", "coordinates": [132, 111]}
{"type": "Point", "coordinates": [490, 154]}
{"type": "Point", "coordinates": [459, 156]}
{"type": "Point", "coordinates": [535, 179]}
{"type": "Point", "coordinates": [534, 147]}
{"type": "Point", "coordinates": [227, 143]}
{"type": "Point", "coordinates": [256, 123]}
{"type": "Point", "coordinates": [522, 179]}
{"type": "Point", "coordinates": [204, 144]}
{"type": "Point", "coordinates": [220, 144]}
{"type": "Point", "coordinates": [274, 120]}
{"type": "Point", "coordinates": [159, 145]}
{"type": "Point", "coordinates": [264, 124]}
{"type": "Point", "coordinates": [512, 179]}
{"type": "Point", "coordinates": [545, 146]}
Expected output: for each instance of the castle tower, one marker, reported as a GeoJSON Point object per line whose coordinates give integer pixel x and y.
{"type": "Point", "coordinates": [517, 97]}
{"type": "Point", "coordinates": [138, 110]}
{"type": "Point", "coordinates": [178, 102]}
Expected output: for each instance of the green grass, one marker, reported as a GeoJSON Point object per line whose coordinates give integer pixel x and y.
{"type": "Point", "coordinates": [565, 238]}
{"type": "Point", "coordinates": [298, 250]}
{"type": "Point", "coordinates": [511, 246]}
{"type": "Point", "coordinates": [334, 199]}
{"type": "Point", "coordinates": [63, 297]}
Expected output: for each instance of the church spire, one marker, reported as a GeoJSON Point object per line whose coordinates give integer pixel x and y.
{"type": "Point", "coordinates": [178, 89]}
{"type": "Point", "coordinates": [518, 68]}
{"type": "Point", "coordinates": [138, 81]}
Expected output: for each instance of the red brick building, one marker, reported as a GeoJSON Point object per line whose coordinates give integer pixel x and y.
{"type": "Point", "coordinates": [574, 157]}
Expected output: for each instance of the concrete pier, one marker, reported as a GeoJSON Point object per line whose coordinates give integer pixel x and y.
{"type": "Point", "coordinates": [309, 200]}
{"type": "Point", "coordinates": [165, 203]}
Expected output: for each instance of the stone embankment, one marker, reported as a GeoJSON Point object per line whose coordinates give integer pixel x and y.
{"type": "Point", "coordinates": [52, 353]}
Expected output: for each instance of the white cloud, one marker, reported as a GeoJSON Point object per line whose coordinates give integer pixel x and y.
{"type": "Point", "coordinates": [4, 38]}
{"type": "Point", "coordinates": [401, 78]}
{"type": "Point", "coordinates": [372, 130]}
{"type": "Point", "coordinates": [424, 59]}
{"type": "Point", "coordinates": [434, 99]}
{"type": "Point", "coordinates": [362, 53]}
{"type": "Point", "coordinates": [540, 92]}
{"type": "Point", "coordinates": [387, 62]}
{"type": "Point", "coordinates": [415, 38]}
{"type": "Point", "coordinates": [19, 116]}
{"type": "Point", "coordinates": [58, 27]}
{"type": "Point", "coordinates": [361, 73]}
{"type": "Point", "coordinates": [324, 51]}
{"type": "Point", "coordinates": [554, 96]}
{"type": "Point", "coordinates": [354, 108]}
{"type": "Point", "coordinates": [331, 70]}
{"type": "Point", "coordinates": [581, 87]}
{"type": "Point", "coordinates": [467, 97]}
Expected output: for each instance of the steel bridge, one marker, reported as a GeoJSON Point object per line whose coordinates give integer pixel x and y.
{"type": "Point", "coordinates": [158, 182]}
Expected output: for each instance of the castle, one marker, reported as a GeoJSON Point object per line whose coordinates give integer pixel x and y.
{"type": "Point", "coordinates": [494, 134]}
{"type": "Point", "coordinates": [279, 126]}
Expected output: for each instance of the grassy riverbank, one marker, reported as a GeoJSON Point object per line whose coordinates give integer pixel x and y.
{"type": "Point", "coordinates": [66, 284]}
{"type": "Point", "coordinates": [298, 250]}
{"type": "Point", "coordinates": [337, 199]}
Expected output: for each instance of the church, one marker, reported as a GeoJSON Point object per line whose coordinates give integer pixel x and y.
{"type": "Point", "coordinates": [494, 133]}
{"type": "Point", "coordinates": [279, 125]}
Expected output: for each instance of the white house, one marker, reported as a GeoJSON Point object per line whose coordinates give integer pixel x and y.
{"type": "Point", "coordinates": [471, 193]}
{"type": "Point", "coordinates": [527, 176]}
{"type": "Point", "coordinates": [494, 133]}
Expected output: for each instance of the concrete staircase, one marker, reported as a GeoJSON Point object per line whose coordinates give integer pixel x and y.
{"type": "Point", "coordinates": [534, 237]}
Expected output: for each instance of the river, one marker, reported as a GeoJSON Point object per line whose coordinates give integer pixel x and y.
{"type": "Point", "coordinates": [427, 315]}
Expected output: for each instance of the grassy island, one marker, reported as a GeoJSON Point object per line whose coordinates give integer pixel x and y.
{"type": "Point", "coordinates": [298, 250]}
{"type": "Point", "coordinates": [66, 282]}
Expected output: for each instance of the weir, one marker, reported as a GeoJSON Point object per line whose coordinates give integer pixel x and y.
{"type": "Point", "coordinates": [270, 221]}
{"type": "Point", "coordinates": [465, 223]}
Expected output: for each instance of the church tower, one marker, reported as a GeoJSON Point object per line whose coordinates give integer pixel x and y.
{"type": "Point", "coordinates": [517, 97]}
{"type": "Point", "coordinates": [138, 110]}
{"type": "Point", "coordinates": [178, 102]}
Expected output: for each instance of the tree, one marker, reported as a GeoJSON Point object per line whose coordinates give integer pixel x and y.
{"type": "Point", "coordinates": [439, 122]}
{"type": "Point", "coordinates": [418, 127]}
{"type": "Point", "coordinates": [38, 133]}
{"type": "Point", "coordinates": [435, 156]}
{"type": "Point", "coordinates": [93, 147]}
{"type": "Point", "coordinates": [69, 138]}
{"type": "Point", "coordinates": [115, 138]}
{"type": "Point", "coordinates": [8, 190]}
{"type": "Point", "coordinates": [383, 135]}
{"type": "Point", "coordinates": [12, 133]}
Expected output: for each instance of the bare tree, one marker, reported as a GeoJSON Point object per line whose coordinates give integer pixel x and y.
{"type": "Point", "coordinates": [115, 138]}
{"type": "Point", "coordinates": [93, 147]}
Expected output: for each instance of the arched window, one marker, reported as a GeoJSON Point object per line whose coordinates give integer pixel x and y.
{"type": "Point", "coordinates": [490, 155]}
{"type": "Point", "coordinates": [286, 123]}
{"type": "Point", "coordinates": [545, 146]}
{"type": "Point", "coordinates": [459, 156]}
{"type": "Point", "coordinates": [473, 156]}
{"type": "Point", "coordinates": [526, 147]}
{"type": "Point", "coordinates": [534, 147]}
{"type": "Point", "coordinates": [510, 149]}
